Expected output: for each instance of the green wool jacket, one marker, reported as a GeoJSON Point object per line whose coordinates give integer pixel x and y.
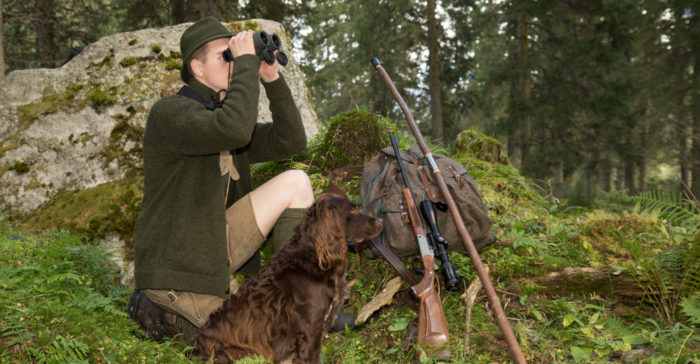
{"type": "Point", "coordinates": [180, 233]}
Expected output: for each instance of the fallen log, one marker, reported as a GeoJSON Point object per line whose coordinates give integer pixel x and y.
{"type": "Point", "coordinates": [605, 282]}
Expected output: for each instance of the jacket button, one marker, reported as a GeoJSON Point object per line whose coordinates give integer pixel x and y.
{"type": "Point", "coordinates": [228, 263]}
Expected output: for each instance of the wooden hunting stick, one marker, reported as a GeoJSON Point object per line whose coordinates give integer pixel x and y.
{"type": "Point", "coordinates": [495, 303]}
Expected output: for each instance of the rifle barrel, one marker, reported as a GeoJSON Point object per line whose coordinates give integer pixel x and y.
{"type": "Point", "coordinates": [515, 350]}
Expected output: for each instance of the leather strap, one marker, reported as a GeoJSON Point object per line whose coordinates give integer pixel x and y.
{"type": "Point", "coordinates": [394, 261]}
{"type": "Point", "coordinates": [188, 92]}
{"type": "Point", "coordinates": [423, 176]}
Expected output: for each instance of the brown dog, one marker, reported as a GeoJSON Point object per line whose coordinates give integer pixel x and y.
{"type": "Point", "coordinates": [286, 309]}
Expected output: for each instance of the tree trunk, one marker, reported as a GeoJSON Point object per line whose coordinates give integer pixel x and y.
{"type": "Point", "coordinates": [629, 175]}
{"type": "Point", "coordinates": [694, 37]}
{"type": "Point", "coordinates": [519, 137]}
{"type": "Point", "coordinates": [524, 88]}
{"type": "Point", "coordinates": [177, 11]}
{"type": "Point", "coordinates": [210, 8]}
{"type": "Point", "coordinates": [2, 48]}
{"type": "Point", "coordinates": [682, 134]}
{"type": "Point", "coordinates": [434, 74]}
{"type": "Point", "coordinates": [44, 20]}
{"type": "Point", "coordinates": [587, 180]}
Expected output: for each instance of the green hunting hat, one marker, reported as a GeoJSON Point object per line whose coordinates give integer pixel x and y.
{"type": "Point", "coordinates": [199, 33]}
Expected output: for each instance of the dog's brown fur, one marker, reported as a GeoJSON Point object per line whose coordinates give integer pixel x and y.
{"type": "Point", "coordinates": [286, 309]}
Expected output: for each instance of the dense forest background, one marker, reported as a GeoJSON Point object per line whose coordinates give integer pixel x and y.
{"type": "Point", "coordinates": [588, 96]}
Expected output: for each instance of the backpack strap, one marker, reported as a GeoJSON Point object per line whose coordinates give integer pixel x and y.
{"type": "Point", "coordinates": [189, 92]}
{"type": "Point", "coordinates": [457, 176]}
{"type": "Point", "coordinates": [423, 177]}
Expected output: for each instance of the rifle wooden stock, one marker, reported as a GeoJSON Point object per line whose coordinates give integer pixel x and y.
{"type": "Point", "coordinates": [433, 334]}
{"type": "Point", "coordinates": [496, 308]}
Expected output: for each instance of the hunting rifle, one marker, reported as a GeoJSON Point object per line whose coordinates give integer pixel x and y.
{"type": "Point", "coordinates": [495, 303]}
{"type": "Point", "coordinates": [449, 274]}
{"type": "Point", "coordinates": [432, 325]}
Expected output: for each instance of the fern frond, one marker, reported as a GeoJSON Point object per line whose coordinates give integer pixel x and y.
{"type": "Point", "coordinates": [671, 207]}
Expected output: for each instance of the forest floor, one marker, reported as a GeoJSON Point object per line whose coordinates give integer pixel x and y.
{"type": "Point", "coordinates": [615, 282]}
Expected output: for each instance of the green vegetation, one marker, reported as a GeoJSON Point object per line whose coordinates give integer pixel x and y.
{"type": "Point", "coordinates": [60, 302]}
{"type": "Point", "coordinates": [100, 98]}
{"type": "Point", "coordinates": [128, 61]}
{"type": "Point", "coordinates": [110, 207]}
{"type": "Point", "coordinates": [20, 167]}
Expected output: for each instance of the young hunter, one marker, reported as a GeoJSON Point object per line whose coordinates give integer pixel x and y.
{"type": "Point", "coordinates": [193, 231]}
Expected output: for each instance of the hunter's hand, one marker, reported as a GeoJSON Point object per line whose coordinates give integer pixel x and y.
{"type": "Point", "coordinates": [242, 43]}
{"type": "Point", "coordinates": [268, 72]}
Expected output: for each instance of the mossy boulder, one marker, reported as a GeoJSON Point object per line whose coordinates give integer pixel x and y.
{"type": "Point", "coordinates": [80, 125]}
{"type": "Point", "coordinates": [481, 146]}
{"type": "Point", "coordinates": [352, 138]}
{"type": "Point", "coordinates": [70, 137]}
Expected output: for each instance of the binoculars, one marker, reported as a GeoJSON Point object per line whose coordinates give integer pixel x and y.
{"type": "Point", "coordinates": [265, 47]}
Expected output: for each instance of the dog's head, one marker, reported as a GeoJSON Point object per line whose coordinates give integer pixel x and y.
{"type": "Point", "coordinates": [337, 221]}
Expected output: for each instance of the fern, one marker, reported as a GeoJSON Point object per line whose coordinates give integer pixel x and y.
{"type": "Point", "coordinates": [671, 207]}
{"type": "Point", "coordinates": [691, 308]}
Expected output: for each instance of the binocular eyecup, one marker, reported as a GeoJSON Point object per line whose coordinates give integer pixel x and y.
{"type": "Point", "coordinates": [265, 47]}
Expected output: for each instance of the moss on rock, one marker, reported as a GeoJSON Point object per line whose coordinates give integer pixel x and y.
{"type": "Point", "coordinates": [10, 143]}
{"type": "Point", "coordinates": [481, 146]}
{"type": "Point", "coordinates": [93, 212]}
{"type": "Point", "coordinates": [351, 139]}
{"type": "Point", "coordinates": [122, 134]}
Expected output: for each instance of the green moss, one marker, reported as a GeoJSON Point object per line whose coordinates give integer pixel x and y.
{"type": "Point", "coordinates": [73, 89]}
{"type": "Point", "coordinates": [352, 138]}
{"type": "Point", "coordinates": [128, 61]}
{"type": "Point", "coordinates": [175, 54]}
{"type": "Point", "coordinates": [33, 185]}
{"type": "Point", "coordinates": [107, 61]}
{"type": "Point", "coordinates": [85, 137]}
{"type": "Point", "coordinates": [30, 112]}
{"type": "Point", "coordinates": [100, 98]}
{"type": "Point", "coordinates": [336, 155]}
{"type": "Point", "coordinates": [121, 134]}
{"type": "Point", "coordinates": [481, 146]}
{"type": "Point", "coordinates": [251, 25]}
{"type": "Point", "coordinates": [235, 27]}
{"type": "Point", "coordinates": [20, 167]}
{"type": "Point", "coordinates": [4, 169]}
{"type": "Point", "coordinates": [133, 41]}
{"type": "Point", "coordinates": [93, 212]}
{"type": "Point", "coordinates": [155, 48]}
{"type": "Point", "coordinates": [10, 143]}
{"type": "Point", "coordinates": [173, 65]}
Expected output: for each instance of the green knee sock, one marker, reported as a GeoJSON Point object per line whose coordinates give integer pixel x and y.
{"type": "Point", "coordinates": [284, 227]}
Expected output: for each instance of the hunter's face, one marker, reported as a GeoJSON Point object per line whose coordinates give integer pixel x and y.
{"type": "Point", "coordinates": [215, 70]}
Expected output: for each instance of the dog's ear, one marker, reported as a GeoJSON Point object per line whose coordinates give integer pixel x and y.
{"type": "Point", "coordinates": [333, 188]}
{"type": "Point", "coordinates": [327, 233]}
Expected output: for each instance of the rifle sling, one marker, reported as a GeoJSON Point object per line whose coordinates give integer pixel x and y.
{"type": "Point", "coordinates": [423, 177]}
{"type": "Point", "coordinates": [394, 261]}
